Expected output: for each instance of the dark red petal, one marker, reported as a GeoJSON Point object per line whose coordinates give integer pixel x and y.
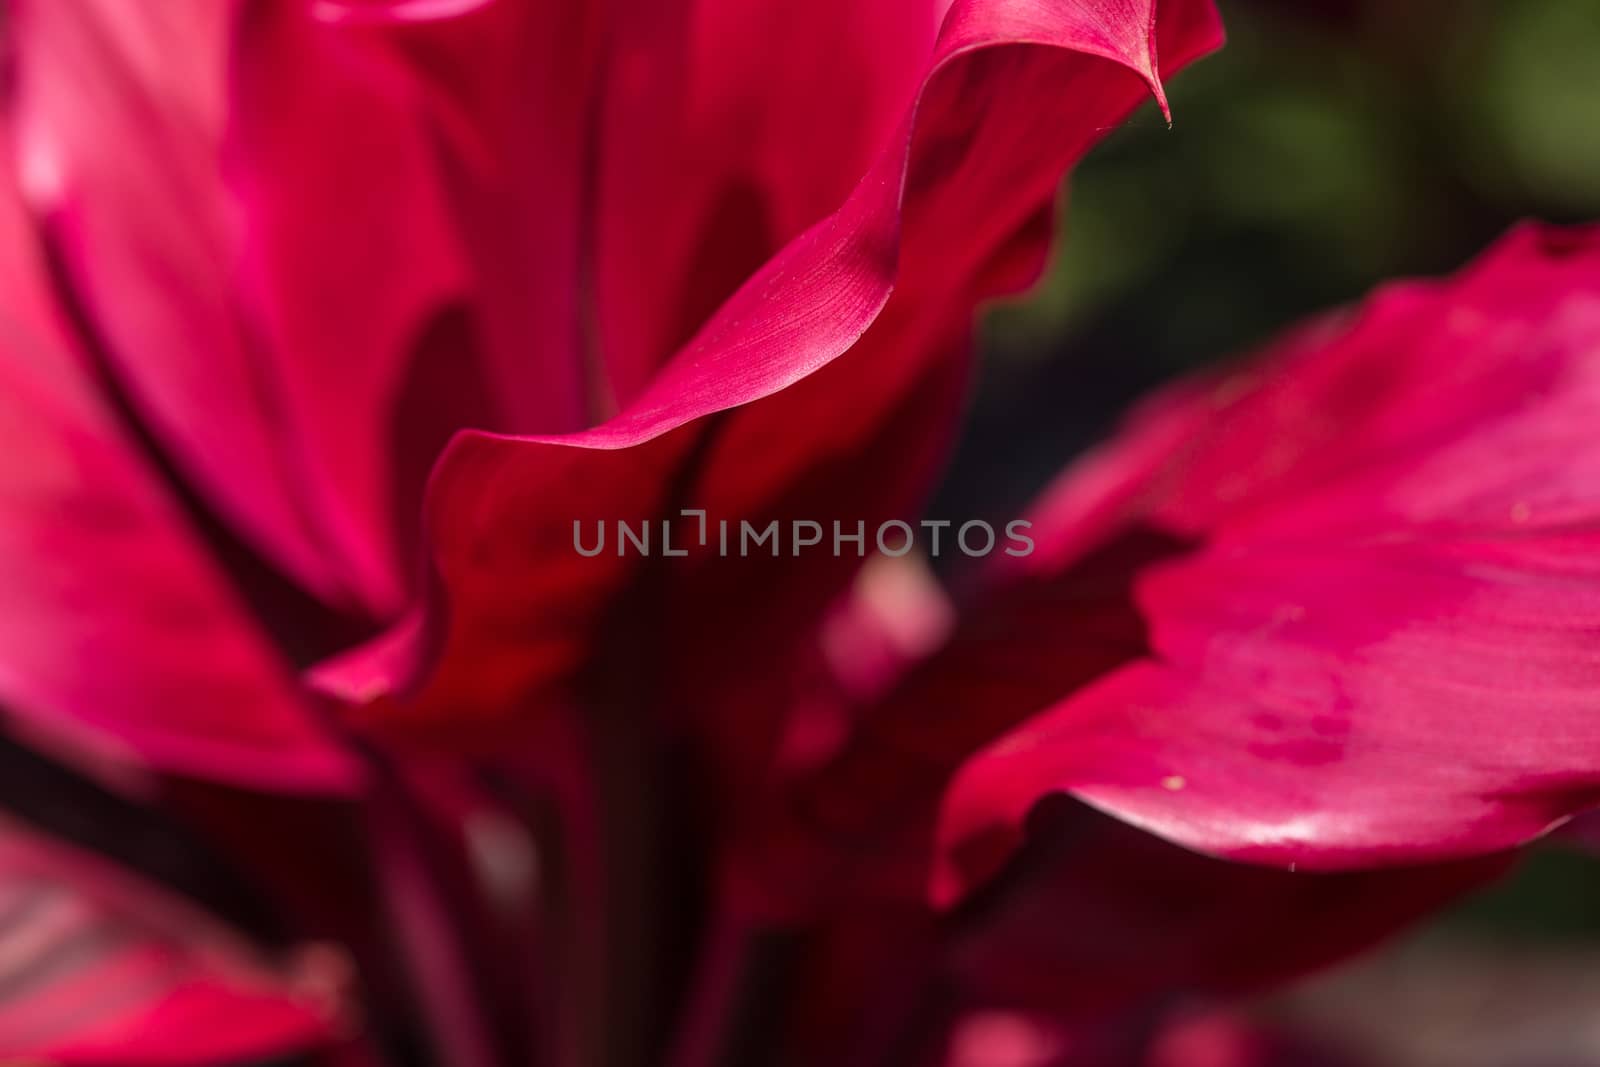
{"type": "Point", "coordinates": [968, 166]}
{"type": "Point", "coordinates": [1385, 650]}
{"type": "Point", "coordinates": [848, 446]}
{"type": "Point", "coordinates": [97, 968]}
{"type": "Point", "coordinates": [1090, 942]}
{"type": "Point", "coordinates": [117, 633]}
{"type": "Point", "coordinates": [860, 440]}
{"type": "Point", "coordinates": [720, 103]}
{"type": "Point", "coordinates": [863, 821]}
{"type": "Point", "coordinates": [1098, 921]}
{"type": "Point", "coordinates": [510, 93]}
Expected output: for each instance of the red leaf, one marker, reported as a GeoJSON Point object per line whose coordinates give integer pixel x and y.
{"type": "Point", "coordinates": [967, 167]}
{"type": "Point", "coordinates": [1383, 650]}
{"type": "Point", "coordinates": [116, 632]}
{"type": "Point", "coordinates": [97, 968]}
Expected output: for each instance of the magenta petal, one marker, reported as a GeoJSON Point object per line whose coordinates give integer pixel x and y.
{"type": "Point", "coordinates": [945, 195]}
{"type": "Point", "coordinates": [920, 209]}
{"type": "Point", "coordinates": [181, 177]}
{"type": "Point", "coordinates": [860, 440]}
{"type": "Point", "coordinates": [101, 969]}
{"type": "Point", "coordinates": [1440, 712]}
{"type": "Point", "coordinates": [347, 273]}
{"type": "Point", "coordinates": [116, 628]}
{"type": "Point", "coordinates": [1384, 649]}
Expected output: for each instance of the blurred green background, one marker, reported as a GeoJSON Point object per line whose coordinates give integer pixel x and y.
{"type": "Point", "coordinates": [1330, 146]}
